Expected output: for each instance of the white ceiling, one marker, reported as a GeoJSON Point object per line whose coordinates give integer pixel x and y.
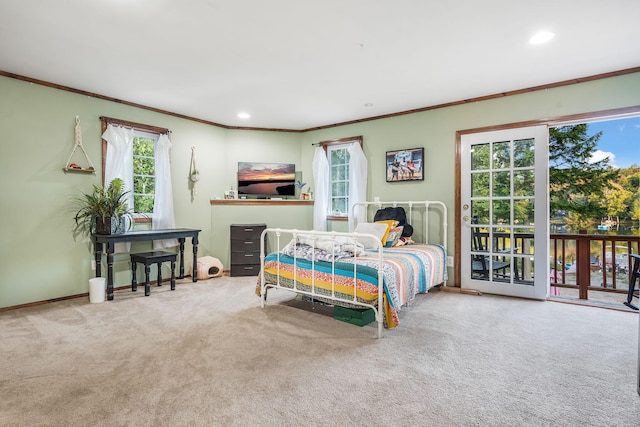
{"type": "Point", "coordinates": [299, 64]}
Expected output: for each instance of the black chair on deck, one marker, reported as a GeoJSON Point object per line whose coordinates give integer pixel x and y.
{"type": "Point", "coordinates": [480, 264]}
{"type": "Point", "coordinates": [635, 273]}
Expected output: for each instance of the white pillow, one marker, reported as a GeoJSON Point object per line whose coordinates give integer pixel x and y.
{"type": "Point", "coordinates": [377, 229]}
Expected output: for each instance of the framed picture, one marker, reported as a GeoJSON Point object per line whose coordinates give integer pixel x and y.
{"type": "Point", "coordinates": [405, 165]}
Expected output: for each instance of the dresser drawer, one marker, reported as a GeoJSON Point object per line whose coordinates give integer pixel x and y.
{"type": "Point", "coordinates": [245, 270]}
{"type": "Point", "coordinates": [247, 231]}
{"type": "Point", "coordinates": [244, 245]}
{"type": "Point", "coordinates": [245, 258]}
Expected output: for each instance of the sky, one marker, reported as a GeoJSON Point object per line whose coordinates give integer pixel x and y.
{"type": "Point", "coordinates": [620, 141]}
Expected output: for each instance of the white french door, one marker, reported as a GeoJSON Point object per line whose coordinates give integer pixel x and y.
{"type": "Point", "coordinates": [504, 207]}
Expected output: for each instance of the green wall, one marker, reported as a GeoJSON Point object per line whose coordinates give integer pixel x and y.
{"type": "Point", "coordinates": [39, 258]}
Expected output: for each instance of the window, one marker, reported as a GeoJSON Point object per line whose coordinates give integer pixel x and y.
{"type": "Point", "coordinates": [339, 162]}
{"type": "Point", "coordinates": [139, 164]}
{"type": "Point", "coordinates": [144, 180]}
{"type": "Point", "coordinates": [339, 157]}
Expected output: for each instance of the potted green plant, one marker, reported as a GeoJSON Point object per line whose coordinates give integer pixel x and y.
{"type": "Point", "coordinates": [104, 211]}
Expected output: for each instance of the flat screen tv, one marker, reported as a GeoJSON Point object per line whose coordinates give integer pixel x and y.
{"type": "Point", "coordinates": [266, 179]}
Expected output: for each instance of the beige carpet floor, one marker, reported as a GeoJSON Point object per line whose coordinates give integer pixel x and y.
{"type": "Point", "coordinates": [208, 355]}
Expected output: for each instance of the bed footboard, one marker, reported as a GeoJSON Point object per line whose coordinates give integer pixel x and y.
{"type": "Point", "coordinates": [316, 270]}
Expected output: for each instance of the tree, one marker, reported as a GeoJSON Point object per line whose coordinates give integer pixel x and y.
{"type": "Point", "coordinates": [630, 179]}
{"type": "Point", "coordinates": [635, 209]}
{"type": "Point", "coordinates": [576, 183]}
{"type": "Point", "coordinates": [618, 200]}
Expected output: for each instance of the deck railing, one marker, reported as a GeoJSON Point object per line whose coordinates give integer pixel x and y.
{"type": "Point", "coordinates": [579, 261]}
{"type": "Point", "coordinates": [592, 262]}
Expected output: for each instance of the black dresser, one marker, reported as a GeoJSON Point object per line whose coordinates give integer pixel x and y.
{"type": "Point", "coordinates": [245, 249]}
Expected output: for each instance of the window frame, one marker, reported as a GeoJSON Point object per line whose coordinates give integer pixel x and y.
{"type": "Point", "coordinates": [333, 143]}
{"type": "Point", "coordinates": [144, 130]}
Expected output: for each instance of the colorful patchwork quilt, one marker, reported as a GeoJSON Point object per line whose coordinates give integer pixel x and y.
{"type": "Point", "coordinates": [407, 270]}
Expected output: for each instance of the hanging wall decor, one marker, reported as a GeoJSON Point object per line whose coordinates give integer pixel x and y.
{"type": "Point", "coordinates": [74, 167]}
{"type": "Point", "coordinates": [194, 174]}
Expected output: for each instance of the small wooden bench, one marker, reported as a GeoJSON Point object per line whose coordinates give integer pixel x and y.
{"type": "Point", "coordinates": [149, 258]}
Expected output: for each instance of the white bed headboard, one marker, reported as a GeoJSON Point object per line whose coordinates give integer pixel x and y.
{"type": "Point", "coordinates": [422, 211]}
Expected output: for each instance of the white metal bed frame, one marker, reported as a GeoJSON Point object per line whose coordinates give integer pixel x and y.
{"type": "Point", "coordinates": [293, 234]}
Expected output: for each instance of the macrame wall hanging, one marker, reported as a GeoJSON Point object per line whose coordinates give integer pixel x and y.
{"type": "Point", "coordinates": [78, 143]}
{"type": "Point", "coordinates": [194, 174]}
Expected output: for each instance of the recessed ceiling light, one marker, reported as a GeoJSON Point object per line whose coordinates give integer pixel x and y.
{"type": "Point", "coordinates": [541, 37]}
{"type": "Point", "coordinates": [244, 115]}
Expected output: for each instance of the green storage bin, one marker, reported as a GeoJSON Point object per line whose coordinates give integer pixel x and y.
{"type": "Point", "coordinates": [355, 316]}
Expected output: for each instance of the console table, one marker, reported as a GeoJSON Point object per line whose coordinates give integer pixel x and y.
{"type": "Point", "coordinates": [142, 235]}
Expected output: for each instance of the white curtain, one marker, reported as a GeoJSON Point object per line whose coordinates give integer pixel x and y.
{"type": "Point", "coordinates": [321, 179]}
{"type": "Point", "coordinates": [357, 184]}
{"type": "Point", "coordinates": [163, 216]}
{"type": "Point", "coordinates": [119, 164]}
